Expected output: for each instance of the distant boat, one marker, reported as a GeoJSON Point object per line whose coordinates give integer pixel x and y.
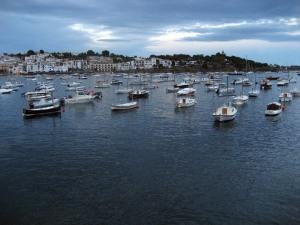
{"type": "Point", "coordinates": [273, 109]}
{"type": "Point", "coordinates": [240, 100]}
{"type": "Point", "coordinates": [182, 85]}
{"type": "Point", "coordinates": [265, 85]}
{"type": "Point", "coordinates": [235, 73]}
{"type": "Point", "coordinates": [185, 102]}
{"type": "Point", "coordinates": [124, 106]}
{"type": "Point", "coordinates": [83, 77]}
{"type": "Point", "coordinates": [283, 83]}
{"type": "Point", "coordinates": [186, 92]}
{"type": "Point", "coordinates": [272, 78]}
{"type": "Point", "coordinates": [82, 97]}
{"type": "Point", "coordinates": [116, 82]}
{"type": "Point", "coordinates": [254, 92]}
{"type": "Point", "coordinates": [285, 97]}
{"type": "Point", "coordinates": [138, 94]}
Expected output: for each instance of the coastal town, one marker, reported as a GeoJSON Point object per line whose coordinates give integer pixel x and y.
{"type": "Point", "coordinates": [42, 62]}
{"type": "Point", "coordinates": [47, 63]}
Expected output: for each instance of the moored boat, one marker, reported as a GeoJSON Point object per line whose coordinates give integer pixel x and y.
{"type": "Point", "coordinates": [185, 102]}
{"type": "Point", "coordinates": [273, 109]}
{"type": "Point", "coordinates": [138, 94]}
{"type": "Point", "coordinates": [225, 113]}
{"type": "Point", "coordinates": [124, 106]}
{"type": "Point", "coordinates": [285, 97]}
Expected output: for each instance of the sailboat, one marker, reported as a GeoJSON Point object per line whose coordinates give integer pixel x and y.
{"type": "Point", "coordinates": [124, 90]}
{"type": "Point", "coordinates": [241, 99]}
{"type": "Point", "coordinates": [227, 112]}
{"type": "Point", "coordinates": [173, 89]}
{"type": "Point", "coordinates": [254, 92]}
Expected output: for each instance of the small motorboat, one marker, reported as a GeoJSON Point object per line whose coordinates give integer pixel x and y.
{"type": "Point", "coordinates": [185, 102]}
{"type": "Point", "coordinates": [83, 77]}
{"type": "Point", "coordinates": [186, 92]}
{"type": "Point", "coordinates": [265, 85]}
{"type": "Point", "coordinates": [273, 109]}
{"type": "Point", "coordinates": [138, 94]}
{"type": "Point", "coordinates": [101, 84]}
{"type": "Point", "coordinates": [124, 106]}
{"type": "Point", "coordinates": [116, 82]}
{"type": "Point", "coordinates": [283, 83]}
{"type": "Point", "coordinates": [272, 78]}
{"type": "Point", "coordinates": [246, 83]}
{"type": "Point", "coordinates": [213, 87]}
{"type": "Point", "coordinates": [82, 97]}
{"type": "Point", "coordinates": [9, 85]}
{"type": "Point", "coordinates": [182, 85]}
{"type": "Point", "coordinates": [6, 91]}
{"type": "Point", "coordinates": [285, 97]}
{"type": "Point", "coordinates": [240, 100]}
{"type": "Point", "coordinates": [240, 81]}
{"type": "Point", "coordinates": [225, 113]}
{"type": "Point", "coordinates": [253, 93]}
{"type": "Point", "coordinates": [225, 92]}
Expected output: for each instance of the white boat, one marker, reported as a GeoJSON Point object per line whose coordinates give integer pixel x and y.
{"type": "Point", "coordinates": [73, 84]}
{"type": "Point", "coordinates": [185, 102]}
{"type": "Point", "coordinates": [101, 84]}
{"type": "Point", "coordinates": [253, 93]}
{"type": "Point", "coordinates": [273, 109]}
{"type": "Point", "coordinates": [9, 85]}
{"type": "Point", "coordinates": [285, 97]}
{"type": "Point", "coordinates": [124, 106]}
{"type": "Point", "coordinates": [123, 91]}
{"type": "Point", "coordinates": [240, 81]}
{"type": "Point", "coordinates": [240, 100]}
{"type": "Point", "coordinates": [81, 97]}
{"type": "Point", "coordinates": [5, 91]}
{"type": "Point", "coordinates": [225, 113]}
{"type": "Point", "coordinates": [283, 83]}
{"type": "Point", "coordinates": [225, 92]}
{"type": "Point", "coordinates": [182, 85]}
{"type": "Point", "coordinates": [80, 88]}
{"type": "Point", "coordinates": [213, 87]}
{"type": "Point", "coordinates": [186, 91]}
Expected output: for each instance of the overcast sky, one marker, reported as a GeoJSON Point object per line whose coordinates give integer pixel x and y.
{"type": "Point", "coordinates": [264, 30]}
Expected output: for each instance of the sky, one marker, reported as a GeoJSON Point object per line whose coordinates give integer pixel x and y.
{"type": "Point", "coordinates": [263, 30]}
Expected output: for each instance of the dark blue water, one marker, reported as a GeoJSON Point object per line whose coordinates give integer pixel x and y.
{"type": "Point", "coordinates": [153, 165]}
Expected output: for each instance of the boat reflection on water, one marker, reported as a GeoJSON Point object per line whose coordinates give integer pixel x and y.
{"type": "Point", "coordinates": [228, 125]}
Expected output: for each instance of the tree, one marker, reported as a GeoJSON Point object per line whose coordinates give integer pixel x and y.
{"type": "Point", "coordinates": [105, 53]}
{"type": "Point", "coordinates": [90, 53]}
{"type": "Point", "coordinates": [30, 52]}
{"type": "Point", "coordinates": [42, 51]}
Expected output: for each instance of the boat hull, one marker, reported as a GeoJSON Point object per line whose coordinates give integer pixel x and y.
{"type": "Point", "coordinates": [29, 113]}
